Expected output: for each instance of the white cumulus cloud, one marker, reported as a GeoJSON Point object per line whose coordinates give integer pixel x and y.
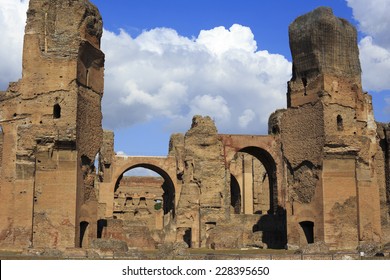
{"type": "Point", "coordinates": [12, 22]}
{"type": "Point", "coordinates": [247, 116]}
{"type": "Point", "coordinates": [220, 73]}
{"type": "Point", "coordinates": [374, 22]}
{"type": "Point", "coordinates": [210, 106]}
{"type": "Point", "coordinates": [373, 18]}
{"type": "Point", "coordinates": [220, 40]}
{"type": "Point", "coordinates": [375, 62]}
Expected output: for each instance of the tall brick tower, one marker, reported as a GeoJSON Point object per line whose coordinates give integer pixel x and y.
{"type": "Point", "coordinates": [51, 122]}
{"type": "Point", "coordinates": [328, 134]}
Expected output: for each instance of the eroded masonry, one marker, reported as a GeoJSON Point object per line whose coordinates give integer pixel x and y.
{"type": "Point", "coordinates": [320, 175]}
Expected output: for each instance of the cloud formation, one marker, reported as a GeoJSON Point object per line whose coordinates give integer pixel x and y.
{"type": "Point", "coordinates": [163, 75]}
{"type": "Point", "coordinates": [373, 18]}
{"type": "Point", "coordinates": [374, 22]}
{"type": "Point", "coordinates": [375, 61]}
{"type": "Point", "coordinates": [160, 74]}
{"type": "Point", "coordinates": [12, 22]}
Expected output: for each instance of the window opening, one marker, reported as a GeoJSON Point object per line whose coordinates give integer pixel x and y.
{"type": "Point", "coordinates": [57, 111]}
{"type": "Point", "coordinates": [340, 125]}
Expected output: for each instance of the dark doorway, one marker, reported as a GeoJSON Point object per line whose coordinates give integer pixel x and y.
{"type": "Point", "coordinates": [83, 234]}
{"type": "Point", "coordinates": [101, 224]}
{"type": "Point", "coordinates": [235, 195]}
{"type": "Point", "coordinates": [187, 237]}
{"type": "Point", "coordinates": [57, 111]}
{"type": "Point", "coordinates": [260, 165]}
{"type": "Point", "coordinates": [269, 165]}
{"type": "Point", "coordinates": [308, 229]}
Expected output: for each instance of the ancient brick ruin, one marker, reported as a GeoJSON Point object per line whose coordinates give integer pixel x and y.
{"type": "Point", "coordinates": [321, 175]}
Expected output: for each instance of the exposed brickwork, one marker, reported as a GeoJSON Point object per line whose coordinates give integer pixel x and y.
{"type": "Point", "coordinates": [321, 175]}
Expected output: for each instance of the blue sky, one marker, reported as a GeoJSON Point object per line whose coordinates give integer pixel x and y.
{"type": "Point", "coordinates": [268, 19]}
{"type": "Point", "coordinates": [167, 60]}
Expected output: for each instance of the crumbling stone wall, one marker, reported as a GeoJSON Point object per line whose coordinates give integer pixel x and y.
{"type": "Point", "coordinates": [1, 149]}
{"type": "Point", "coordinates": [205, 161]}
{"type": "Point", "coordinates": [325, 176]}
{"type": "Point", "coordinates": [383, 171]}
{"type": "Point", "coordinates": [106, 156]}
{"type": "Point", "coordinates": [205, 198]}
{"type": "Point", "coordinates": [328, 135]}
{"type": "Point", "coordinates": [52, 128]}
{"type": "Point", "coordinates": [300, 127]}
{"type": "Point", "coordinates": [134, 234]}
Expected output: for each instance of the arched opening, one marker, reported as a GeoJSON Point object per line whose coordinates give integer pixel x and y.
{"type": "Point", "coordinates": [56, 111]}
{"type": "Point", "coordinates": [101, 225]}
{"type": "Point", "coordinates": [84, 234]}
{"type": "Point", "coordinates": [254, 171]}
{"type": "Point", "coordinates": [187, 237]}
{"type": "Point", "coordinates": [185, 234]}
{"type": "Point", "coordinates": [308, 230]}
{"type": "Point", "coordinates": [254, 179]}
{"type": "Point", "coordinates": [145, 195]}
{"type": "Point", "coordinates": [235, 195]}
{"type": "Point", "coordinates": [340, 125]}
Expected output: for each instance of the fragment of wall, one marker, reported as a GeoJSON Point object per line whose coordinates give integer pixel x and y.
{"type": "Point", "coordinates": [383, 174]}
{"type": "Point", "coordinates": [46, 97]}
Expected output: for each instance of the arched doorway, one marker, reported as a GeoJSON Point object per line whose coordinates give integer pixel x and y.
{"type": "Point", "coordinates": [308, 230]}
{"type": "Point", "coordinates": [84, 240]}
{"type": "Point", "coordinates": [144, 195]}
{"type": "Point", "coordinates": [253, 169]}
{"type": "Point", "coordinates": [235, 195]}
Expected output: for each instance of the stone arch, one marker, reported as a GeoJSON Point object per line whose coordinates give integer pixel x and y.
{"type": "Point", "coordinates": [270, 166]}
{"type": "Point", "coordinates": [267, 149]}
{"type": "Point", "coordinates": [164, 166]}
{"type": "Point", "coordinates": [168, 185]}
{"type": "Point", "coordinates": [271, 225]}
{"type": "Point", "coordinates": [265, 158]}
{"type": "Point", "coordinates": [87, 223]}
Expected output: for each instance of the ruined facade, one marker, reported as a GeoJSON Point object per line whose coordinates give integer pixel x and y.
{"type": "Point", "coordinates": [333, 181]}
{"type": "Point", "coordinates": [51, 128]}
{"type": "Point", "coordinates": [321, 175]}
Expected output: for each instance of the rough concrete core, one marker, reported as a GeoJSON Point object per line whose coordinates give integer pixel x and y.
{"type": "Point", "coordinates": [322, 43]}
